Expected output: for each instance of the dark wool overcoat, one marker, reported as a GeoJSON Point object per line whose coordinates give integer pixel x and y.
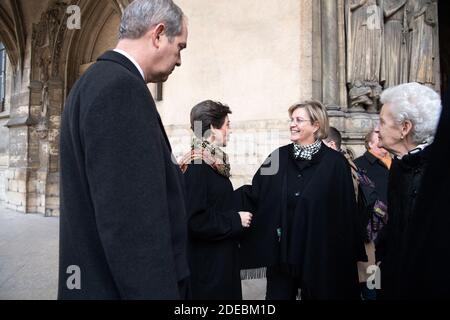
{"type": "Point", "coordinates": [377, 172]}
{"type": "Point", "coordinates": [123, 219]}
{"type": "Point", "coordinates": [404, 183]}
{"type": "Point", "coordinates": [428, 251]}
{"type": "Point", "coordinates": [214, 230]}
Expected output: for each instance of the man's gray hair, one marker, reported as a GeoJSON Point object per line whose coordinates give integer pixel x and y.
{"type": "Point", "coordinates": [142, 15]}
{"type": "Point", "coordinates": [418, 104]}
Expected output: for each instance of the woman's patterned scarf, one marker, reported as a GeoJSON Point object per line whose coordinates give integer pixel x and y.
{"type": "Point", "coordinates": [306, 152]}
{"type": "Point", "coordinates": [202, 150]}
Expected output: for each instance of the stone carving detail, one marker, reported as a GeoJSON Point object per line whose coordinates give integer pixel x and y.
{"type": "Point", "coordinates": [389, 42]}
{"type": "Point", "coordinates": [395, 35]}
{"type": "Point", "coordinates": [365, 47]}
{"type": "Point", "coordinates": [46, 45]}
{"type": "Point", "coordinates": [42, 126]}
{"type": "Point", "coordinates": [422, 18]}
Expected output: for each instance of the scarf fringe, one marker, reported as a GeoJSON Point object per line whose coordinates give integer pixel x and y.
{"type": "Point", "coordinates": [253, 274]}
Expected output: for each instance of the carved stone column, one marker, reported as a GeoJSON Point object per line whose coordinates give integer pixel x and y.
{"type": "Point", "coordinates": [330, 54]}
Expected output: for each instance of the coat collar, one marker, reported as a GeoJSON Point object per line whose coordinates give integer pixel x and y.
{"type": "Point", "coordinates": [370, 157]}
{"type": "Point", "coordinates": [417, 159]}
{"type": "Point", "coordinates": [118, 58]}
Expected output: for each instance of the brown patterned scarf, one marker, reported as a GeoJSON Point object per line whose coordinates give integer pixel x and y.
{"type": "Point", "coordinates": [203, 151]}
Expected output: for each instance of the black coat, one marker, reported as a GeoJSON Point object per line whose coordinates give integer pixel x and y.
{"type": "Point", "coordinates": [214, 230]}
{"type": "Point", "coordinates": [320, 240]}
{"type": "Point", "coordinates": [404, 184]}
{"type": "Point", "coordinates": [377, 172]}
{"type": "Point", "coordinates": [428, 252]}
{"type": "Point", "coordinates": [123, 219]}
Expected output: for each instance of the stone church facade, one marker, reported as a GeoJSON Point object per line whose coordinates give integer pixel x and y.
{"type": "Point", "coordinates": [259, 57]}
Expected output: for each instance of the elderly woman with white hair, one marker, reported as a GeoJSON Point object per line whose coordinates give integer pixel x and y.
{"type": "Point", "coordinates": [408, 122]}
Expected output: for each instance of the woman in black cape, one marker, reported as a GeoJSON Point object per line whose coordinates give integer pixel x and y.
{"type": "Point", "coordinates": [305, 231]}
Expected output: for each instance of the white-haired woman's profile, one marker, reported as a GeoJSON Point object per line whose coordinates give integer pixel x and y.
{"type": "Point", "coordinates": [408, 123]}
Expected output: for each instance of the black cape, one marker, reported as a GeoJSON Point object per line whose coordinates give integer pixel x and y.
{"type": "Point", "coordinates": [428, 252]}
{"type": "Point", "coordinates": [327, 243]}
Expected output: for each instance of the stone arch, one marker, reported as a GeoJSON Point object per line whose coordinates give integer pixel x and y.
{"type": "Point", "coordinates": [98, 33]}
{"type": "Point", "coordinates": [12, 33]}
{"type": "Point", "coordinates": [57, 55]}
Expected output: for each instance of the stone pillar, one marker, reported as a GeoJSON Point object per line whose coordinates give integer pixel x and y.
{"type": "Point", "coordinates": [36, 88]}
{"type": "Point", "coordinates": [17, 172]}
{"type": "Point", "coordinates": [47, 174]}
{"type": "Point", "coordinates": [330, 54]}
{"type": "Point", "coordinates": [32, 178]}
{"type": "Point", "coordinates": [56, 98]}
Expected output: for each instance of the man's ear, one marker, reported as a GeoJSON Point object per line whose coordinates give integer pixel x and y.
{"type": "Point", "coordinates": [156, 34]}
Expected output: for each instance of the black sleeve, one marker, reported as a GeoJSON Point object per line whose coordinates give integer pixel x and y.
{"type": "Point", "coordinates": [246, 198]}
{"type": "Point", "coordinates": [381, 243]}
{"type": "Point", "coordinates": [364, 212]}
{"type": "Point", "coordinates": [126, 173]}
{"type": "Point", "coordinates": [351, 207]}
{"type": "Point", "coordinates": [213, 223]}
{"type": "Point", "coordinates": [384, 242]}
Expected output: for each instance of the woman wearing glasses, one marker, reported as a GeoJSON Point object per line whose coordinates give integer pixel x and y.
{"type": "Point", "coordinates": [305, 228]}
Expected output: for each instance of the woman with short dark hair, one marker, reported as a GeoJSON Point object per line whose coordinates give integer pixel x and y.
{"type": "Point", "coordinates": [214, 227]}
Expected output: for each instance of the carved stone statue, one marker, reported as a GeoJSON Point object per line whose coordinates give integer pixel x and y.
{"type": "Point", "coordinates": [395, 50]}
{"type": "Point", "coordinates": [365, 96]}
{"type": "Point", "coordinates": [364, 45]}
{"type": "Point", "coordinates": [42, 126]}
{"type": "Point", "coordinates": [422, 18]}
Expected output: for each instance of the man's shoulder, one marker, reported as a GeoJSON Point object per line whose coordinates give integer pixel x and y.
{"type": "Point", "coordinates": [107, 82]}
{"type": "Point", "coordinates": [106, 73]}
{"type": "Point", "coordinates": [362, 161]}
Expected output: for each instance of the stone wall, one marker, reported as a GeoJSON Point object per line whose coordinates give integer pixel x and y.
{"type": "Point", "coordinates": [254, 57]}
{"type": "Point", "coordinates": [257, 57]}
{"type": "Point", "coordinates": [4, 135]}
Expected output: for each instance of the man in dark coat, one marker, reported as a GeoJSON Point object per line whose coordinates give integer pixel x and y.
{"type": "Point", "coordinates": [123, 226]}
{"type": "Point", "coordinates": [376, 163]}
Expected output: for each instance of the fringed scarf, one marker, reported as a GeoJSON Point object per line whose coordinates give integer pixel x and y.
{"type": "Point", "coordinates": [252, 274]}
{"type": "Point", "coordinates": [202, 150]}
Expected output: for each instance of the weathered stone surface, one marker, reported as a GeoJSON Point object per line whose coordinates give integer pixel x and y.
{"type": "Point", "coordinates": [15, 198]}
{"type": "Point", "coordinates": [309, 61]}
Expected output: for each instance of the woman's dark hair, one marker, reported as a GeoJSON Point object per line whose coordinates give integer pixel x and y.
{"type": "Point", "coordinates": [208, 113]}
